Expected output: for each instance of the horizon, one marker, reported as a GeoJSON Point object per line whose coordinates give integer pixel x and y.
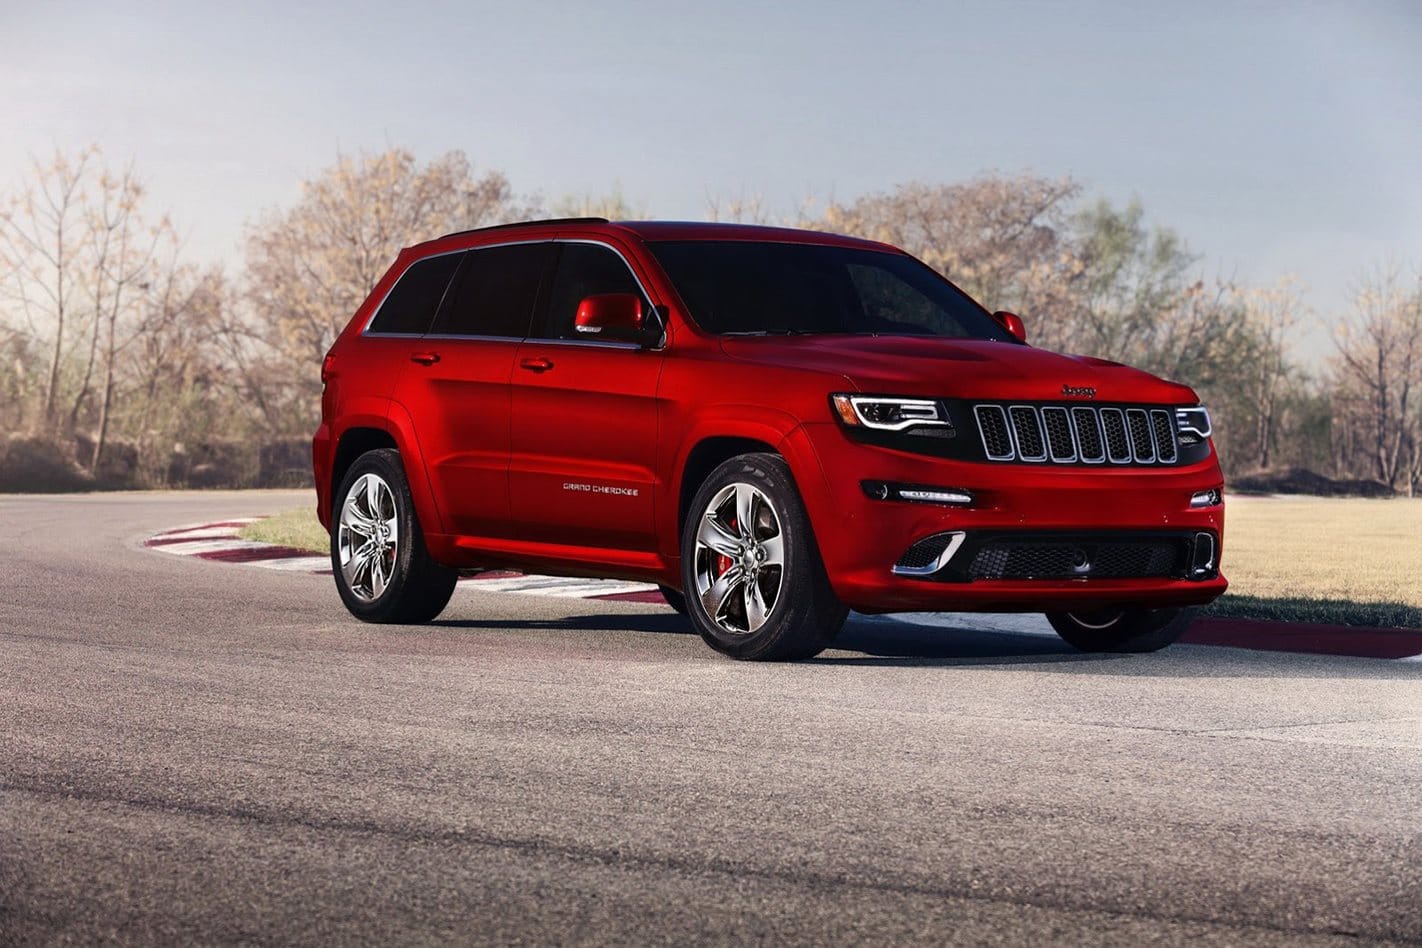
{"type": "Point", "coordinates": [1217, 121]}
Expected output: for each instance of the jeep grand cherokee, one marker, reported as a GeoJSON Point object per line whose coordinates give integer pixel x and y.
{"type": "Point", "coordinates": [776, 426]}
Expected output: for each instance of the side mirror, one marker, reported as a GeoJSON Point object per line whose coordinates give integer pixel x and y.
{"type": "Point", "coordinates": [1012, 323]}
{"type": "Point", "coordinates": [611, 315]}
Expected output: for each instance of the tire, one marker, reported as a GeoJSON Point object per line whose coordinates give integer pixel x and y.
{"type": "Point", "coordinates": [675, 598]}
{"type": "Point", "coordinates": [399, 584]}
{"type": "Point", "coordinates": [775, 606]}
{"type": "Point", "coordinates": [1121, 630]}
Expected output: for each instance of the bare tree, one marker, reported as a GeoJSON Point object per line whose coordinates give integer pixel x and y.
{"type": "Point", "coordinates": [1003, 240]}
{"type": "Point", "coordinates": [1271, 317]}
{"type": "Point", "coordinates": [1378, 373]}
{"type": "Point", "coordinates": [310, 266]}
{"type": "Point", "coordinates": [42, 234]}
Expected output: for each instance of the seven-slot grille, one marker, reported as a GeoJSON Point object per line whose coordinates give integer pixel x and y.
{"type": "Point", "coordinates": [1070, 434]}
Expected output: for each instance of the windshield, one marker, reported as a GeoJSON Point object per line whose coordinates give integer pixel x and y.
{"type": "Point", "coordinates": [755, 287]}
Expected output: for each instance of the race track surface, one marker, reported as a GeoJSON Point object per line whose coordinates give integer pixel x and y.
{"type": "Point", "coordinates": [198, 752]}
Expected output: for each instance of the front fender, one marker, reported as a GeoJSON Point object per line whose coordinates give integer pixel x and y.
{"type": "Point", "coordinates": [769, 426]}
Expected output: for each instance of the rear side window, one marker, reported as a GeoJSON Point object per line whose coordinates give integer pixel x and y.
{"type": "Point", "coordinates": [412, 303]}
{"type": "Point", "coordinates": [496, 292]}
{"type": "Point", "coordinates": [584, 270]}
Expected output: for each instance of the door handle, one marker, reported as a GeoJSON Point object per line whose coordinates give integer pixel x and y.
{"type": "Point", "coordinates": [425, 358]}
{"type": "Point", "coordinates": [536, 365]}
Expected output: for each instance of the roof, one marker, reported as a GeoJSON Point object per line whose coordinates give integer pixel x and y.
{"type": "Point", "coordinates": [672, 230]}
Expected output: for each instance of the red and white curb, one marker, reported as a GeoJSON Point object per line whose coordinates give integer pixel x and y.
{"type": "Point", "coordinates": [219, 542]}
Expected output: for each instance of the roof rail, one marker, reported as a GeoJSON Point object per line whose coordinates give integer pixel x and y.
{"type": "Point", "coordinates": [551, 220]}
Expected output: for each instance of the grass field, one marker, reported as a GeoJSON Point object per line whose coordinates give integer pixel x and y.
{"type": "Point", "coordinates": [1304, 559]}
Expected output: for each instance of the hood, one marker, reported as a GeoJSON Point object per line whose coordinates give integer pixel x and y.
{"type": "Point", "coordinates": [957, 368]}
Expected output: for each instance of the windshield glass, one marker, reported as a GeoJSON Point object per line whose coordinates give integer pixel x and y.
{"type": "Point", "coordinates": [754, 287]}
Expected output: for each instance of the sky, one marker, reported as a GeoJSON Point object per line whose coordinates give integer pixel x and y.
{"type": "Point", "coordinates": [1276, 138]}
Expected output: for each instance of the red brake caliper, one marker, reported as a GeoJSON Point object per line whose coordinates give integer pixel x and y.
{"type": "Point", "coordinates": [723, 562]}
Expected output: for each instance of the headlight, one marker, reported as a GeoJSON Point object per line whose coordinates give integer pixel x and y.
{"type": "Point", "coordinates": [882, 413]}
{"type": "Point", "coordinates": [1193, 424]}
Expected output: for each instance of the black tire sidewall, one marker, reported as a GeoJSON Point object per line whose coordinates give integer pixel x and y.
{"type": "Point", "coordinates": [386, 463]}
{"type": "Point", "coordinates": [1137, 630]}
{"type": "Point", "coordinates": [795, 611]}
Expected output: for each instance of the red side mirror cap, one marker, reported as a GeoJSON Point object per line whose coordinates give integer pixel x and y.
{"type": "Point", "coordinates": [1012, 323]}
{"type": "Point", "coordinates": [612, 314]}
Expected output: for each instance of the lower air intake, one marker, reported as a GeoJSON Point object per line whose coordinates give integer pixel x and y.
{"type": "Point", "coordinates": [1066, 559]}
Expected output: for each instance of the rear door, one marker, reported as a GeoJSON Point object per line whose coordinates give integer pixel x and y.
{"type": "Point", "coordinates": [584, 434]}
{"type": "Point", "coordinates": [456, 388]}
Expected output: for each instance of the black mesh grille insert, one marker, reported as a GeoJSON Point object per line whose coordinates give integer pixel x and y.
{"type": "Point", "coordinates": [1044, 558]}
{"type": "Point", "coordinates": [1141, 445]}
{"type": "Point", "coordinates": [1117, 447]}
{"type": "Point", "coordinates": [1028, 432]}
{"type": "Point", "coordinates": [1164, 430]}
{"type": "Point", "coordinates": [925, 552]}
{"type": "Point", "coordinates": [1088, 434]}
{"type": "Point", "coordinates": [992, 422]}
{"type": "Point", "coordinates": [1058, 427]}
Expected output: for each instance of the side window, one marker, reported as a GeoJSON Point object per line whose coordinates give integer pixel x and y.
{"type": "Point", "coordinates": [584, 270]}
{"type": "Point", "coordinates": [412, 302]}
{"type": "Point", "coordinates": [495, 292]}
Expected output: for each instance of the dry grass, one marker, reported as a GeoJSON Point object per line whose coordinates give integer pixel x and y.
{"type": "Point", "coordinates": [1307, 559]}
{"type": "Point", "coordinates": [298, 529]}
{"type": "Point", "coordinates": [1325, 548]}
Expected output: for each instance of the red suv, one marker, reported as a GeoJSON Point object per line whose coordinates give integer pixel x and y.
{"type": "Point", "coordinates": [776, 426]}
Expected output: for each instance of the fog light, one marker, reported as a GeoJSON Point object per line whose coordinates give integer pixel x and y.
{"type": "Point", "coordinates": [952, 496]}
{"type": "Point", "coordinates": [1206, 498]}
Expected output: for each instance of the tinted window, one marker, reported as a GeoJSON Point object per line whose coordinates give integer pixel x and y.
{"type": "Point", "coordinates": [415, 297]}
{"type": "Point", "coordinates": [584, 270]}
{"type": "Point", "coordinates": [495, 292]}
{"type": "Point", "coordinates": [764, 287]}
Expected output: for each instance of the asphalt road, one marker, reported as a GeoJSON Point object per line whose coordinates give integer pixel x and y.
{"type": "Point", "coordinates": [201, 752]}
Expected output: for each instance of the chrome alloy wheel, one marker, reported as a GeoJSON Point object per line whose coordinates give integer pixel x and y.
{"type": "Point", "coordinates": [740, 559]}
{"type": "Point", "coordinates": [368, 537]}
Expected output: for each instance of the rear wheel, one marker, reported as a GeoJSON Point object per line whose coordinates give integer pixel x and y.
{"type": "Point", "coordinates": [1121, 630]}
{"type": "Point", "coordinates": [383, 571]}
{"type": "Point", "coordinates": [755, 585]}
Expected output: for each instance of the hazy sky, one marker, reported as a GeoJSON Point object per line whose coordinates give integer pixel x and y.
{"type": "Point", "coordinates": [1276, 138]}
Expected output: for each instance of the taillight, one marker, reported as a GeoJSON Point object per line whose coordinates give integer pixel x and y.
{"type": "Point", "coordinates": [326, 364]}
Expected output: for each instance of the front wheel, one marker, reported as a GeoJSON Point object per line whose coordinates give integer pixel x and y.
{"type": "Point", "coordinates": [1121, 630]}
{"type": "Point", "coordinates": [755, 585]}
{"type": "Point", "coordinates": [383, 571]}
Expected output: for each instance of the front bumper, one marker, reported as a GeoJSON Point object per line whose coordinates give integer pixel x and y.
{"type": "Point", "coordinates": [861, 539]}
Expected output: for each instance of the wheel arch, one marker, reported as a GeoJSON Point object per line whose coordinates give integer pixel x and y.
{"type": "Point", "coordinates": [353, 443]}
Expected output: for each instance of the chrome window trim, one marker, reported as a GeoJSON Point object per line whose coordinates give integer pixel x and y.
{"type": "Point", "coordinates": [661, 344]}
{"type": "Point", "coordinates": [1006, 425]}
{"type": "Point", "coordinates": [365, 329]}
{"type": "Point", "coordinates": [585, 343]}
{"type": "Point", "coordinates": [1012, 430]}
{"type": "Point", "coordinates": [1071, 434]}
{"type": "Point", "coordinates": [942, 561]}
{"type": "Point", "coordinates": [1106, 442]}
{"type": "Point", "coordinates": [1076, 433]}
{"type": "Point", "coordinates": [662, 340]}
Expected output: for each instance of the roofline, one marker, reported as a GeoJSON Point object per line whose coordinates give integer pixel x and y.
{"type": "Point", "coordinates": [538, 223]}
